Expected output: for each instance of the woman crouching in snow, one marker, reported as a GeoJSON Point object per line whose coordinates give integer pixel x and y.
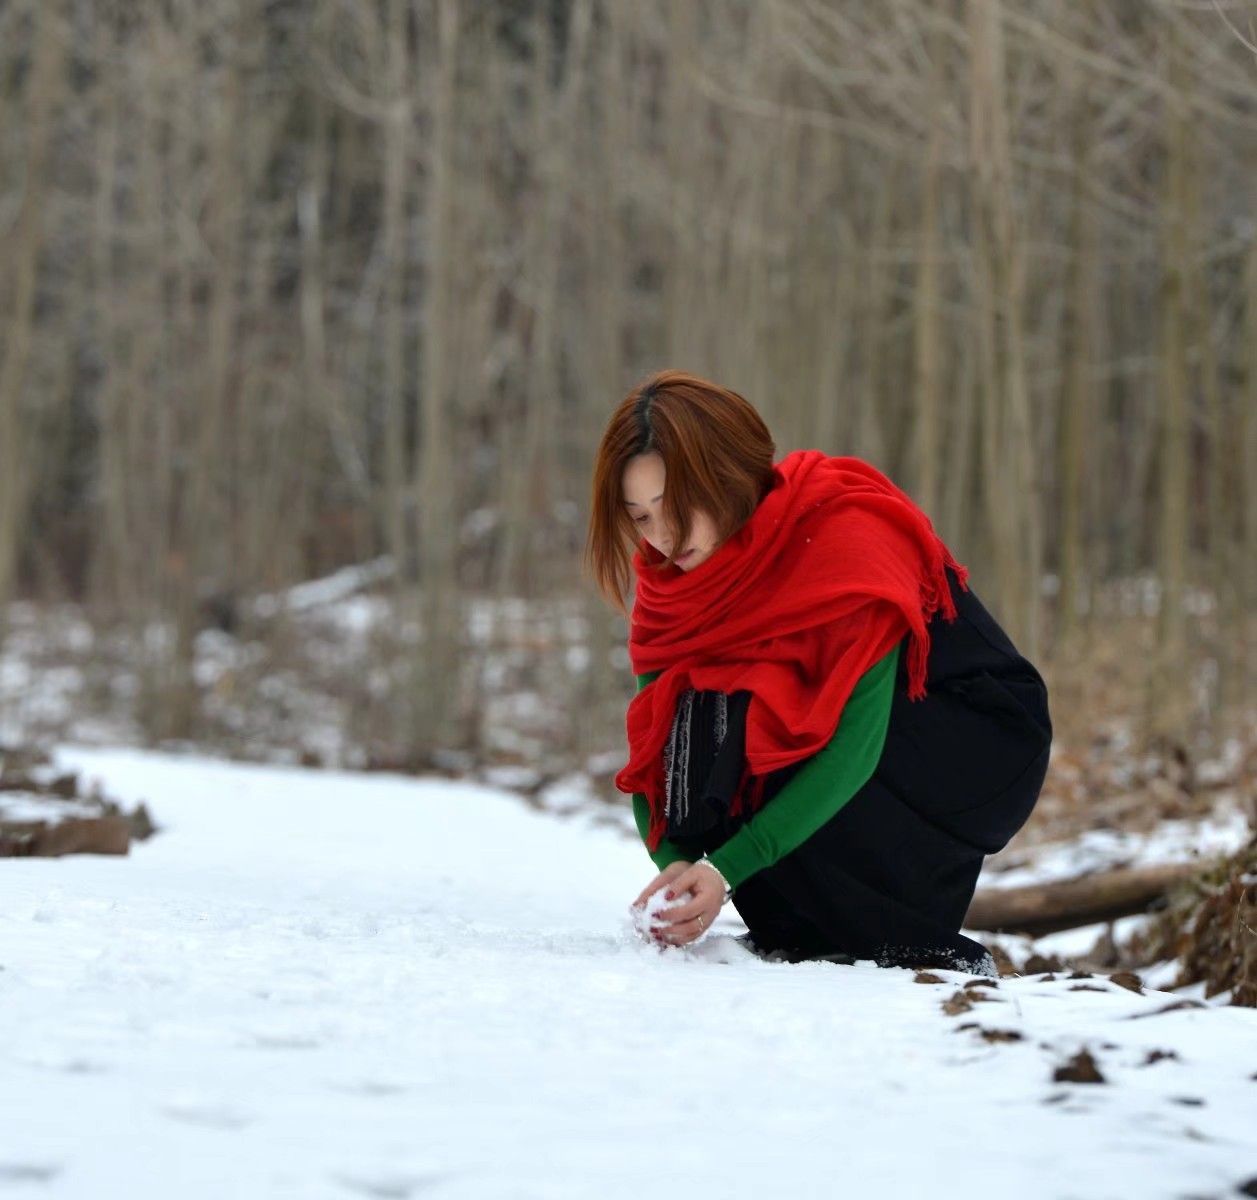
{"type": "Point", "coordinates": [807, 739]}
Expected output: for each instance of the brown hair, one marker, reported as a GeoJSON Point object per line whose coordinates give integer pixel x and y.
{"type": "Point", "coordinates": [717, 453]}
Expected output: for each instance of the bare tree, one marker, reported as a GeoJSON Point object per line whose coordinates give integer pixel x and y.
{"type": "Point", "coordinates": [290, 287]}
{"type": "Point", "coordinates": [1167, 702]}
{"type": "Point", "coordinates": [20, 255]}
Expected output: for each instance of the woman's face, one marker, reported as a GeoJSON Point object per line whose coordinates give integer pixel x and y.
{"type": "Point", "coordinates": [642, 486]}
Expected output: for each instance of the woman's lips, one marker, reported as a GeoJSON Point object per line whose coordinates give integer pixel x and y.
{"type": "Point", "coordinates": [683, 557]}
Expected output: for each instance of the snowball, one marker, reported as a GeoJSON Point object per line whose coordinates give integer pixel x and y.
{"type": "Point", "coordinates": [646, 919]}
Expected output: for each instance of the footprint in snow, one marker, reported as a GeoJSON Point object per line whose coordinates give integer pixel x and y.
{"type": "Point", "coordinates": [283, 1041]}
{"type": "Point", "coordinates": [370, 1087]}
{"type": "Point", "coordinates": [74, 1065]}
{"type": "Point", "coordinates": [207, 1113]}
{"type": "Point", "coordinates": [83, 1066]}
{"type": "Point", "coordinates": [389, 1187]}
{"type": "Point", "coordinates": [11, 1172]}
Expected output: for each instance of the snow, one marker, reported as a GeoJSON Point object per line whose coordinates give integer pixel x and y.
{"type": "Point", "coordinates": [1224, 831]}
{"type": "Point", "coordinates": [318, 984]}
{"type": "Point", "coordinates": [339, 586]}
{"type": "Point", "coordinates": [649, 917]}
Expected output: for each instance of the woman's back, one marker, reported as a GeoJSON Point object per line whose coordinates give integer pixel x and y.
{"type": "Point", "coordinates": [972, 755]}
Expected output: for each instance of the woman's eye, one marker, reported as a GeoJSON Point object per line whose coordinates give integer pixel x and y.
{"type": "Point", "coordinates": [640, 520]}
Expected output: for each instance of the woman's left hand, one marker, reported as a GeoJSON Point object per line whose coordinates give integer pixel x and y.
{"type": "Point", "coordinates": [691, 920]}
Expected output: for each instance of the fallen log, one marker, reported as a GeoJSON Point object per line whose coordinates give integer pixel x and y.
{"type": "Point", "coordinates": [1068, 903]}
{"type": "Point", "coordinates": [108, 834]}
{"type": "Point", "coordinates": [44, 814]}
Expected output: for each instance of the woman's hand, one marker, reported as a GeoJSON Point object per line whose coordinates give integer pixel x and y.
{"type": "Point", "coordinates": [667, 875]}
{"type": "Point", "coordinates": [690, 920]}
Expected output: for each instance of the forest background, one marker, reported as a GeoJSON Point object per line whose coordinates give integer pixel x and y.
{"type": "Point", "coordinates": [312, 313]}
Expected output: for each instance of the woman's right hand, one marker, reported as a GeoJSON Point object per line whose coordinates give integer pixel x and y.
{"type": "Point", "coordinates": [666, 876]}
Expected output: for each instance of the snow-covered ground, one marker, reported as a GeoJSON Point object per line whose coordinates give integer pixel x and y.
{"type": "Point", "coordinates": [313, 984]}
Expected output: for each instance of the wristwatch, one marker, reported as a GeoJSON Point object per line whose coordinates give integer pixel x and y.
{"type": "Point", "coordinates": [706, 862]}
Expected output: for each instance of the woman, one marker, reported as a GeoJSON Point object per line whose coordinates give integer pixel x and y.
{"type": "Point", "coordinates": [830, 730]}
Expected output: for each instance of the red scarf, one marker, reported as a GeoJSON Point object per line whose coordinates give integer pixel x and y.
{"type": "Point", "coordinates": [831, 570]}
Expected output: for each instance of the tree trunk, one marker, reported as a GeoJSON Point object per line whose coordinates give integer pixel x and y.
{"type": "Point", "coordinates": [20, 259]}
{"type": "Point", "coordinates": [1168, 707]}
{"type": "Point", "coordinates": [1078, 399]}
{"type": "Point", "coordinates": [1012, 489]}
{"type": "Point", "coordinates": [435, 678]}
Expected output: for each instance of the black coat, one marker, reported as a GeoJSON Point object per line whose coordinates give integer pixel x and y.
{"type": "Point", "coordinates": [890, 876]}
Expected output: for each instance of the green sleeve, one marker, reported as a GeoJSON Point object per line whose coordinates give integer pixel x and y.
{"type": "Point", "coordinates": [814, 793]}
{"type": "Point", "coordinates": [667, 851]}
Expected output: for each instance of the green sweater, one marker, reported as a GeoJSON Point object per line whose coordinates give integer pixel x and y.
{"type": "Point", "coordinates": [819, 788]}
